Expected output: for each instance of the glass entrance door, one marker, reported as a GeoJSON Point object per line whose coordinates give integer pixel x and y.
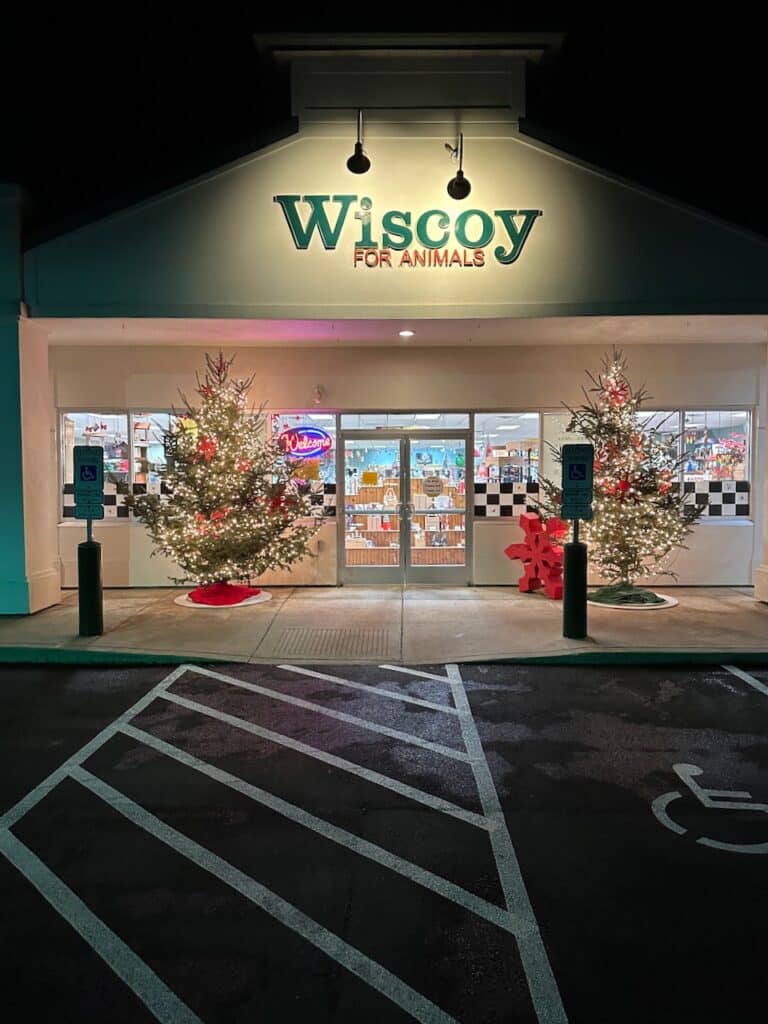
{"type": "Point", "coordinates": [437, 510]}
{"type": "Point", "coordinates": [374, 510]}
{"type": "Point", "coordinates": [404, 509]}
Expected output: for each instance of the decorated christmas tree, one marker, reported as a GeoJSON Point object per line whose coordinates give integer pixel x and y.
{"type": "Point", "coordinates": [236, 506]}
{"type": "Point", "coordinates": [639, 510]}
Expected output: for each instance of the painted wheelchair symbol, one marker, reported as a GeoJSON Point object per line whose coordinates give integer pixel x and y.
{"type": "Point", "coordinates": [718, 799]}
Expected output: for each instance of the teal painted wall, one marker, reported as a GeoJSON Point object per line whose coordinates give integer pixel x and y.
{"type": "Point", "coordinates": [14, 595]}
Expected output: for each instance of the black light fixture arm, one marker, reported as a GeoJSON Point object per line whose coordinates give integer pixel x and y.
{"type": "Point", "coordinates": [359, 163]}
{"type": "Point", "coordinates": [459, 187]}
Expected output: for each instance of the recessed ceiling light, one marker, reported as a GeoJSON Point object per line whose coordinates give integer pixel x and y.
{"type": "Point", "coordinates": [406, 334]}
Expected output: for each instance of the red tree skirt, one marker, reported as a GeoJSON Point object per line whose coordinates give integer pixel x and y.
{"type": "Point", "coordinates": [223, 593]}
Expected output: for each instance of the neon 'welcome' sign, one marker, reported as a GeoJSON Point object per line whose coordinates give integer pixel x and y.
{"type": "Point", "coordinates": [305, 442]}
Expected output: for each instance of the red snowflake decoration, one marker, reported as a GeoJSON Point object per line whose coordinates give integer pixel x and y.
{"type": "Point", "coordinates": [617, 392]}
{"type": "Point", "coordinates": [541, 557]}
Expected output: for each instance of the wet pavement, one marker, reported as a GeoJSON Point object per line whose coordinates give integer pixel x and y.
{"type": "Point", "coordinates": [483, 843]}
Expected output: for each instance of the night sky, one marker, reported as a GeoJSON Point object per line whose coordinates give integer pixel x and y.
{"type": "Point", "coordinates": [133, 102]}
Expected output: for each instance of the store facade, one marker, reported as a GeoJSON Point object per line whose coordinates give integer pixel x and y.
{"type": "Point", "coordinates": [420, 449]}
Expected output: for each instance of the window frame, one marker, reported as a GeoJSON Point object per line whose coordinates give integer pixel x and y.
{"type": "Point", "coordinates": [129, 413]}
{"type": "Point", "coordinates": [749, 462]}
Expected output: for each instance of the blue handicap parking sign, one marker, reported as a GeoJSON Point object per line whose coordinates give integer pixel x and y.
{"type": "Point", "coordinates": [88, 474]}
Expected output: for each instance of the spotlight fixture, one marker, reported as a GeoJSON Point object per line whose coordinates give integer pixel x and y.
{"type": "Point", "coordinates": [405, 334]}
{"type": "Point", "coordinates": [458, 187]}
{"type": "Point", "coordinates": [359, 163]}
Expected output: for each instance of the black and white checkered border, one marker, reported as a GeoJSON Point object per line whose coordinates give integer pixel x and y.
{"type": "Point", "coordinates": [113, 498]}
{"type": "Point", "coordinates": [322, 497]}
{"type": "Point", "coordinates": [720, 497]}
{"type": "Point", "coordinates": [493, 499]}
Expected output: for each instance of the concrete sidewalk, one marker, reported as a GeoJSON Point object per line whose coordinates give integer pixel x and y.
{"type": "Point", "coordinates": [390, 624]}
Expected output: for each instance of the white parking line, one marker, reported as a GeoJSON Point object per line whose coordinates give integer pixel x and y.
{"type": "Point", "coordinates": [15, 813]}
{"type": "Point", "coordinates": [130, 968]}
{"type": "Point", "coordinates": [541, 981]}
{"type": "Point", "coordinates": [747, 678]}
{"type": "Point", "coordinates": [435, 802]}
{"type": "Point", "coordinates": [415, 672]}
{"type": "Point", "coordinates": [374, 691]}
{"type": "Point", "coordinates": [421, 876]}
{"type": "Point", "coordinates": [340, 716]}
{"type": "Point", "coordinates": [516, 917]}
{"type": "Point", "coordinates": [357, 963]}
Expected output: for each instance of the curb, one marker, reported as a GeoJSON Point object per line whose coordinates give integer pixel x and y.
{"type": "Point", "coordinates": [73, 656]}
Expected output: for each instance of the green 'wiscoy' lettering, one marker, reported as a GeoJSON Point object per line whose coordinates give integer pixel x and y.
{"type": "Point", "coordinates": [517, 236]}
{"type": "Point", "coordinates": [422, 224]}
{"type": "Point", "coordinates": [473, 229]}
{"type": "Point", "coordinates": [396, 225]}
{"type": "Point", "coordinates": [317, 219]}
{"type": "Point", "coordinates": [486, 229]}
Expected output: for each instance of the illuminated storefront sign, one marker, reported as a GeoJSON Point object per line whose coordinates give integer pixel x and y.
{"type": "Point", "coordinates": [305, 442]}
{"type": "Point", "coordinates": [403, 239]}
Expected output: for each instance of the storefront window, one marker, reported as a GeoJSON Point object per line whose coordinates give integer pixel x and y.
{"type": "Point", "coordinates": [664, 428]}
{"type": "Point", "coordinates": [555, 435]}
{"type": "Point", "coordinates": [304, 436]}
{"type": "Point", "coordinates": [149, 458]}
{"type": "Point", "coordinates": [507, 447]}
{"type": "Point", "coordinates": [310, 438]}
{"type": "Point", "coordinates": [716, 446]}
{"type": "Point", "coordinates": [97, 429]}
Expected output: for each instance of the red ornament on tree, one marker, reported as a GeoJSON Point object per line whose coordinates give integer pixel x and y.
{"type": "Point", "coordinates": [541, 558]}
{"type": "Point", "coordinates": [206, 447]}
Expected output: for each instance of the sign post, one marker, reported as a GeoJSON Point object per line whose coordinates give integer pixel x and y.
{"type": "Point", "coordinates": [578, 461]}
{"type": "Point", "coordinates": [89, 505]}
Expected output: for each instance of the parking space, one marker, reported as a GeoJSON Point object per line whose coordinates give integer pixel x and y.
{"type": "Point", "coordinates": [439, 843]}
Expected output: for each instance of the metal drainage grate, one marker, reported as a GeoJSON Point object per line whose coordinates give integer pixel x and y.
{"type": "Point", "coordinates": [304, 642]}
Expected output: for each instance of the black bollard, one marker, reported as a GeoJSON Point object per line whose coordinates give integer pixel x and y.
{"type": "Point", "coordinates": [575, 588]}
{"type": "Point", "coordinates": [89, 587]}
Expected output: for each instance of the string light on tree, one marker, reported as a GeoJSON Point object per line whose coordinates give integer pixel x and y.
{"type": "Point", "coordinates": [639, 515]}
{"type": "Point", "coordinates": [237, 507]}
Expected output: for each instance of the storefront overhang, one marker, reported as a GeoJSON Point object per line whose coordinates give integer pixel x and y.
{"type": "Point", "coordinates": [477, 333]}
{"type": "Point", "coordinates": [290, 234]}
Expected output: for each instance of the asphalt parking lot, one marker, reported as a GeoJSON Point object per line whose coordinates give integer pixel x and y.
{"type": "Point", "coordinates": [479, 843]}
